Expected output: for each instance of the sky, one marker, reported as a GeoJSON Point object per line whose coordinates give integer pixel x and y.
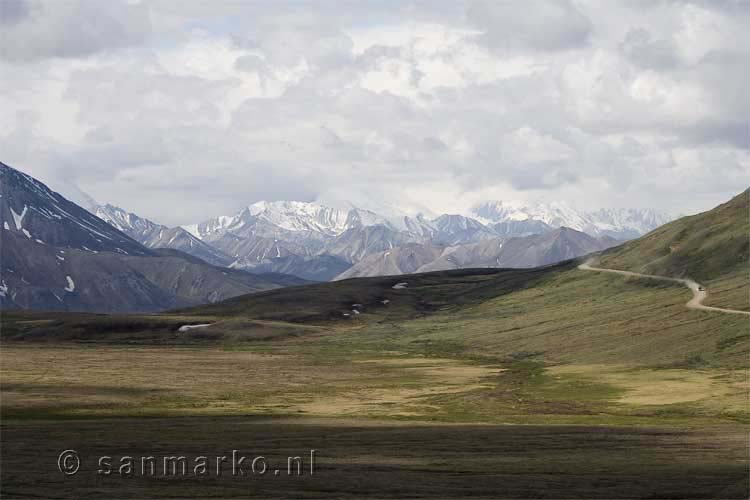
{"type": "Point", "coordinates": [183, 110]}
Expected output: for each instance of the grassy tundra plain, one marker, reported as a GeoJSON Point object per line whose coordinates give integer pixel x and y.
{"type": "Point", "coordinates": [541, 383]}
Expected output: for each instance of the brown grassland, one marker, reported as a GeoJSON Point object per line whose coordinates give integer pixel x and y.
{"type": "Point", "coordinates": [555, 383]}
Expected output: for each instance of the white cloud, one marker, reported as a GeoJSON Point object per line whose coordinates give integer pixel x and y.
{"type": "Point", "coordinates": [183, 113]}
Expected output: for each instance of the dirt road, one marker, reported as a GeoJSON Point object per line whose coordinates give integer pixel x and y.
{"type": "Point", "coordinates": [698, 295]}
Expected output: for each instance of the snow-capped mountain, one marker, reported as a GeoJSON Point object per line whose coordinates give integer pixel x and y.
{"type": "Point", "coordinates": [264, 232]}
{"type": "Point", "coordinates": [153, 235]}
{"type": "Point", "coordinates": [300, 216]}
{"type": "Point", "coordinates": [555, 214]}
{"type": "Point", "coordinates": [287, 216]}
{"type": "Point", "coordinates": [209, 227]}
{"type": "Point", "coordinates": [57, 256]}
{"type": "Point", "coordinates": [625, 223]}
{"type": "Point", "coordinates": [617, 223]}
{"type": "Point", "coordinates": [456, 229]}
{"type": "Point", "coordinates": [419, 226]}
{"type": "Point", "coordinates": [32, 210]}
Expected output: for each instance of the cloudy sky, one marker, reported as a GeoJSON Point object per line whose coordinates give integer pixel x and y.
{"type": "Point", "coordinates": [181, 110]}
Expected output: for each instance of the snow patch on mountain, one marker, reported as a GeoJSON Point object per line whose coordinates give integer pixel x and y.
{"type": "Point", "coordinates": [636, 221]}
{"type": "Point", "coordinates": [285, 218]}
{"type": "Point", "coordinates": [18, 219]}
{"type": "Point", "coordinates": [554, 214]}
{"type": "Point", "coordinates": [154, 235]}
{"type": "Point", "coordinates": [300, 216]}
{"type": "Point", "coordinates": [192, 229]}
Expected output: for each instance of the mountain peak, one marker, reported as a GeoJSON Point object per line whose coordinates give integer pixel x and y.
{"type": "Point", "coordinates": [623, 223]}
{"type": "Point", "coordinates": [31, 209]}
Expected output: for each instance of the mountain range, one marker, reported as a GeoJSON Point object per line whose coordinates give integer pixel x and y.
{"type": "Point", "coordinates": [622, 224]}
{"type": "Point", "coordinates": [518, 252]}
{"type": "Point", "coordinates": [57, 256]}
{"type": "Point", "coordinates": [323, 243]}
{"type": "Point", "coordinates": [153, 235]}
{"type": "Point", "coordinates": [60, 256]}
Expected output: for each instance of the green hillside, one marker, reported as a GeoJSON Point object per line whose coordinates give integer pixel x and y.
{"type": "Point", "coordinates": [554, 315]}
{"type": "Point", "coordinates": [703, 247]}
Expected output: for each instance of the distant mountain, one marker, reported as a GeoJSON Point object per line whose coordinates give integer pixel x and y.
{"type": "Point", "coordinates": [153, 235]}
{"type": "Point", "coordinates": [356, 243]}
{"type": "Point", "coordinates": [485, 253]}
{"type": "Point", "coordinates": [31, 210]}
{"type": "Point", "coordinates": [548, 248]}
{"type": "Point", "coordinates": [510, 228]}
{"type": "Point", "coordinates": [269, 218]}
{"type": "Point", "coordinates": [252, 251]}
{"type": "Point", "coordinates": [519, 252]}
{"type": "Point", "coordinates": [405, 259]}
{"type": "Point", "coordinates": [256, 254]}
{"type": "Point", "coordinates": [314, 241]}
{"type": "Point", "coordinates": [555, 214]}
{"type": "Point", "coordinates": [284, 235]}
{"type": "Point", "coordinates": [312, 268]}
{"type": "Point", "coordinates": [57, 256]}
{"type": "Point", "coordinates": [265, 231]}
{"type": "Point", "coordinates": [625, 223]}
{"type": "Point", "coordinates": [617, 223]}
{"type": "Point", "coordinates": [457, 229]}
{"type": "Point", "coordinates": [259, 234]}
{"type": "Point", "coordinates": [418, 226]}
{"type": "Point", "coordinates": [50, 242]}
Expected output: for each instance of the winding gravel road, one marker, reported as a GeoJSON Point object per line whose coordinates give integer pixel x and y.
{"type": "Point", "coordinates": [698, 295]}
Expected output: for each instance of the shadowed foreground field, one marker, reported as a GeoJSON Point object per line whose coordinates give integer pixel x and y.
{"type": "Point", "coordinates": [378, 460]}
{"type": "Point", "coordinates": [382, 424]}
